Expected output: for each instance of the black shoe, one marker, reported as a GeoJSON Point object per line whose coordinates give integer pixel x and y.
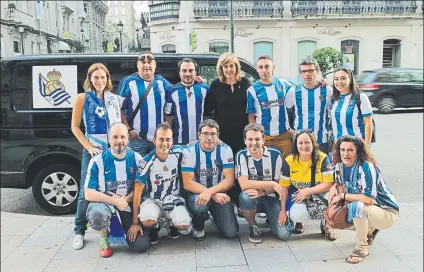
{"type": "Point", "coordinates": [154, 236]}
{"type": "Point", "coordinates": [255, 234]}
{"type": "Point", "coordinates": [173, 232]}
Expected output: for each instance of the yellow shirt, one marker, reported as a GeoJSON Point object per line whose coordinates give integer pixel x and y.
{"type": "Point", "coordinates": [298, 173]}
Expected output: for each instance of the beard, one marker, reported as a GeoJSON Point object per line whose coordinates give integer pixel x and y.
{"type": "Point", "coordinates": [119, 149]}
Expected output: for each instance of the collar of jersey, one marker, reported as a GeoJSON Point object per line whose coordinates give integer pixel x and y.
{"type": "Point", "coordinates": [344, 95]}
{"type": "Point", "coordinates": [157, 157]}
{"type": "Point", "coordinates": [310, 89]}
{"type": "Point", "coordinates": [266, 153]}
{"type": "Point", "coordinates": [115, 158]}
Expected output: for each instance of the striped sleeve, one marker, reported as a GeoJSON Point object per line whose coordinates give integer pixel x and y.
{"type": "Point", "coordinates": [366, 107]}
{"type": "Point", "coordinates": [124, 91]}
{"type": "Point", "coordinates": [285, 171]}
{"type": "Point", "coordinates": [188, 162]}
{"type": "Point", "coordinates": [169, 102]}
{"type": "Point", "coordinates": [227, 157]}
{"type": "Point", "coordinates": [241, 165]}
{"type": "Point", "coordinates": [251, 100]}
{"type": "Point", "coordinates": [143, 172]}
{"type": "Point", "coordinates": [92, 179]}
{"type": "Point", "coordinates": [290, 98]}
{"type": "Point", "coordinates": [370, 180]}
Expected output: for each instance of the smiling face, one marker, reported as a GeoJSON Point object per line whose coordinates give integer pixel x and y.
{"type": "Point", "coordinates": [99, 80]}
{"type": "Point", "coordinates": [342, 81]}
{"type": "Point", "coordinates": [229, 69]}
{"type": "Point", "coordinates": [163, 141]}
{"type": "Point", "coordinates": [348, 153]}
{"type": "Point", "coordinates": [304, 145]}
{"type": "Point", "coordinates": [254, 142]}
{"type": "Point", "coordinates": [187, 73]}
{"type": "Point", "coordinates": [265, 69]}
{"type": "Point", "coordinates": [146, 65]}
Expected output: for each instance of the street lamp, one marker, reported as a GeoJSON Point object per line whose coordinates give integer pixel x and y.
{"type": "Point", "coordinates": [231, 26]}
{"type": "Point", "coordinates": [138, 42]}
{"type": "Point", "coordinates": [21, 30]}
{"type": "Point", "coordinates": [103, 41]}
{"type": "Point", "coordinates": [82, 39]}
{"type": "Point", "coordinates": [120, 26]}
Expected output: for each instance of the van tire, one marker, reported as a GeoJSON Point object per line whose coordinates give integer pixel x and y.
{"type": "Point", "coordinates": [57, 180]}
{"type": "Point", "coordinates": [387, 105]}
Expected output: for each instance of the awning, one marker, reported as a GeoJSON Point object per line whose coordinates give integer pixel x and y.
{"type": "Point", "coordinates": [64, 46]}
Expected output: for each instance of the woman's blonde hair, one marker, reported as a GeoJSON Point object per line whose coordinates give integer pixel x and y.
{"type": "Point", "coordinates": [94, 67]}
{"type": "Point", "coordinates": [224, 59]}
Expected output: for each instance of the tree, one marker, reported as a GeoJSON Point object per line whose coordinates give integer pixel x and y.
{"type": "Point", "coordinates": [132, 47]}
{"type": "Point", "coordinates": [328, 59]}
{"type": "Point", "coordinates": [117, 46]}
{"type": "Point", "coordinates": [75, 45]}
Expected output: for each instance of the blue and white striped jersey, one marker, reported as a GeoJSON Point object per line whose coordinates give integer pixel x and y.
{"type": "Point", "coordinates": [186, 105]}
{"type": "Point", "coordinates": [267, 168]}
{"type": "Point", "coordinates": [208, 167]}
{"type": "Point", "coordinates": [345, 116]}
{"type": "Point", "coordinates": [161, 178]}
{"type": "Point", "coordinates": [107, 173]}
{"type": "Point", "coordinates": [310, 107]}
{"type": "Point", "coordinates": [364, 178]}
{"type": "Point", "coordinates": [267, 102]}
{"type": "Point", "coordinates": [151, 113]}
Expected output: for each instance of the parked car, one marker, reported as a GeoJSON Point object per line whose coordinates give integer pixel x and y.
{"type": "Point", "coordinates": [391, 88]}
{"type": "Point", "coordinates": [37, 94]}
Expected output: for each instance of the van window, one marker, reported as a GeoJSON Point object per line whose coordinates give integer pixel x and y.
{"type": "Point", "coordinates": [168, 69]}
{"type": "Point", "coordinates": [118, 70]}
{"type": "Point", "coordinates": [22, 95]}
{"type": "Point", "coordinates": [208, 73]}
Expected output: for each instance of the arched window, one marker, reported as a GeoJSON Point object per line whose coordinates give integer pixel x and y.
{"type": "Point", "coordinates": [169, 48]}
{"type": "Point", "coordinates": [219, 47]}
{"type": "Point", "coordinates": [391, 53]}
{"type": "Point", "coordinates": [350, 52]}
{"type": "Point", "coordinates": [304, 50]}
{"type": "Point", "coordinates": [262, 48]}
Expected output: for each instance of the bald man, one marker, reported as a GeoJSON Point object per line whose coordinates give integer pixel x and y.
{"type": "Point", "coordinates": [109, 186]}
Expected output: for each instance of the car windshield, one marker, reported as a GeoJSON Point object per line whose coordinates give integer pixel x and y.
{"type": "Point", "coordinates": [366, 76]}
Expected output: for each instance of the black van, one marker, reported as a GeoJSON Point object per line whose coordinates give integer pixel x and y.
{"type": "Point", "coordinates": [38, 148]}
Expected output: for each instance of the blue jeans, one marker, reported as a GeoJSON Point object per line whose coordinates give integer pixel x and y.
{"type": "Point", "coordinates": [82, 204]}
{"type": "Point", "coordinates": [224, 216]}
{"type": "Point", "coordinates": [272, 207]}
{"type": "Point", "coordinates": [141, 146]}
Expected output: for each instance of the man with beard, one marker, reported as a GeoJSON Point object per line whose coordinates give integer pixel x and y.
{"type": "Point", "coordinates": [150, 114]}
{"type": "Point", "coordinates": [258, 169]}
{"type": "Point", "coordinates": [208, 173]}
{"type": "Point", "coordinates": [185, 103]}
{"type": "Point", "coordinates": [158, 189]}
{"type": "Point", "coordinates": [109, 188]}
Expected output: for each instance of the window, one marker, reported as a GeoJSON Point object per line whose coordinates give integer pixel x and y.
{"type": "Point", "coordinates": [262, 48]}
{"type": "Point", "coordinates": [219, 47]}
{"type": "Point", "coordinates": [16, 47]}
{"type": "Point", "coordinates": [304, 50]}
{"type": "Point", "coordinates": [417, 76]}
{"type": "Point", "coordinates": [208, 73]}
{"type": "Point", "coordinates": [86, 8]}
{"type": "Point", "coordinates": [169, 48]}
{"type": "Point", "coordinates": [350, 51]}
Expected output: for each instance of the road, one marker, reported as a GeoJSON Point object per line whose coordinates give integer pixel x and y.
{"type": "Point", "coordinates": [398, 150]}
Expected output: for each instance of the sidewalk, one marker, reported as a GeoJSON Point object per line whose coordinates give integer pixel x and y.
{"type": "Point", "coordinates": [32, 243]}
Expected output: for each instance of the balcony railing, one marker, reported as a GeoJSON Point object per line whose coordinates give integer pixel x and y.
{"type": "Point", "coordinates": [252, 8]}
{"type": "Point", "coordinates": [324, 8]}
{"type": "Point", "coordinates": [164, 10]}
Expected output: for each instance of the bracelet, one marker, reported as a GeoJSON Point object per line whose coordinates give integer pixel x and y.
{"type": "Point", "coordinates": [137, 224]}
{"type": "Point", "coordinates": [344, 196]}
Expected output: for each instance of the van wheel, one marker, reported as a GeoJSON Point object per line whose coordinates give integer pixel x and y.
{"type": "Point", "coordinates": [56, 187]}
{"type": "Point", "coordinates": [386, 105]}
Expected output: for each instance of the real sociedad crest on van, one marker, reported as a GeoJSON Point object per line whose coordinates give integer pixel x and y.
{"type": "Point", "coordinates": [54, 86]}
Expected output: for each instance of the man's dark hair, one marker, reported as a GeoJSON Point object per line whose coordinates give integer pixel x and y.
{"type": "Point", "coordinates": [163, 126]}
{"type": "Point", "coordinates": [309, 61]}
{"type": "Point", "coordinates": [265, 57]}
{"type": "Point", "coordinates": [208, 123]}
{"type": "Point", "coordinates": [253, 127]}
{"type": "Point", "coordinates": [187, 60]}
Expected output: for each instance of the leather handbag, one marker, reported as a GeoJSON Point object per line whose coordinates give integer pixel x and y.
{"type": "Point", "coordinates": [336, 214]}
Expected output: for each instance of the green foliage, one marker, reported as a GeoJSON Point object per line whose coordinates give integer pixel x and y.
{"type": "Point", "coordinates": [328, 59]}
{"type": "Point", "coordinates": [75, 45]}
{"type": "Point", "coordinates": [132, 47]}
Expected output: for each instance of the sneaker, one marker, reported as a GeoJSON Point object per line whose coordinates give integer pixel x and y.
{"type": "Point", "coordinates": [255, 234]}
{"type": "Point", "coordinates": [173, 232]}
{"type": "Point", "coordinates": [186, 231]}
{"type": "Point", "coordinates": [261, 215]}
{"type": "Point", "coordinates": [154, 236]}
{"type": "Point", "coordinates": [105, 248]}
{"type": "Point", "coordinates": [78, 241]}
{"type": "Point", "coordinates": [199, 235]}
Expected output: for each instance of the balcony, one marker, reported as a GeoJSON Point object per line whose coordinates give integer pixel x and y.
{"type": "Point", "coordinates": [343, 8]}
{"type": "Point", "coordinates": [68, 7]}
{"type": "Point", "coordinates": [252, 8]}
{"type": "Point", "coordinates": [164, 10]}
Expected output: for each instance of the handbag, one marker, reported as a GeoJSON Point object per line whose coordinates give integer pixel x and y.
{"type": "Point", "coordinates": [316, 205]}
{"type": "Point", "coordinates": [336, 214]}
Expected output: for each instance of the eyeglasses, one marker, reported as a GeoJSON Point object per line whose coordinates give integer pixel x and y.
{"type": "Point", "coordinates": [148, 57]}
{"type": "Point", "coordinates": [206, 134]}
{"type": "Point", "coordinates": [309, 71]}
{"type": "Point", "coordinates": [187, 70]}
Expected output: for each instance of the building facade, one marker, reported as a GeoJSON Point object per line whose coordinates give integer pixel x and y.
{"type": "Point", "coordinates": [124, 12]}
{"type": "Point", "coordinates": [370, 34]}
{"type": "Point", "coordinates": [93, 25]}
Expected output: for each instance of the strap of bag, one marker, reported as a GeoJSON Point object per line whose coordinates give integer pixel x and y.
{"type": "Point", "coordinates": [140, 102]}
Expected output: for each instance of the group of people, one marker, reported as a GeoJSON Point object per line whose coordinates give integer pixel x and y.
{"type": "Point", "coordinates": [265, 150]}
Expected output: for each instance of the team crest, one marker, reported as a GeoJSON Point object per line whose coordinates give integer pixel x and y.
{"type": "Point", "coordinates": [132, 170]}
{"type": "Point", "coordinates": [321, 97]}
{"type": "Point", "coordinates": [267, 171]}
{"type": "Point", "coordinates": [165, 168]}
{"type": "Point", "coordinates": [52, 89]}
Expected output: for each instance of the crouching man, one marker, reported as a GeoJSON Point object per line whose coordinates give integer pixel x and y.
{"type": "Point", "coordinates": [108, 187]}
{"type": "Point", "coordinates": [158, 189]}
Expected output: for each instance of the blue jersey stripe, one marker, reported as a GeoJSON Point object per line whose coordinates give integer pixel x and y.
{"type": "Point", "coordinates": [320, 135]}
{"type": "Point", "coordinates": [199, 101]}
{"type": "Point", "coordinates": [311, 108]}
{"type": "Point", "coordinates": [299, 107]}
{"type": "Point", "coordinates": [349, 116]}
{"type": "Point", "coordinates": [338, 117]}
{"type": "Point", "coordinates": [209, 178]}
{"type": "Point", "coordinates": [159, 106]}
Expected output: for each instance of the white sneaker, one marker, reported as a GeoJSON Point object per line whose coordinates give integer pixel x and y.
{"type": "Point", "coordinates": [261, 215]}
{"type": "Point", "coordinates": [78, 242]}
{"type": "Point", "coordinates": [198, 235]}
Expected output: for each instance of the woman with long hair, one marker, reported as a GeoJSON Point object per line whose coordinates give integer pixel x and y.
{"type": "Point", "coordinates": [371, 205]}
{"type": "Point", "coordinates": [226, 102]}
{"type": "Point", "coordinates": [351, 110]}
{"type": "Point", "coordinates": [98, 108]}
{"type": "Point", "coordinates": [308, 175]}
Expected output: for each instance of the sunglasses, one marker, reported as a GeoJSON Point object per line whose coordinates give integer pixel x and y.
{"type": "Point", "coordinates": [148, 58]}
